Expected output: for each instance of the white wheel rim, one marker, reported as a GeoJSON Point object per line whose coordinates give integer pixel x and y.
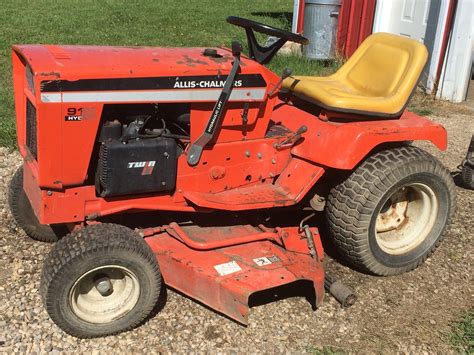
{"type": "Point", "coordinates": [93, 306]}
{"type": "Point", "coordinates": [406, 218]}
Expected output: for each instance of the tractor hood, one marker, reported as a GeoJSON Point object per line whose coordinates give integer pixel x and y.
{"type": "Point", "coordinates": [81, 62]}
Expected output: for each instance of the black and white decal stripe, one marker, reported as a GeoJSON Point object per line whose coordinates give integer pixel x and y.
{"type": "Point", "coordinates": [251, 87]}
{"type": "Point", "coordinates": [254, 94]}
{"type": "Point", "coordinates": [149, 83]}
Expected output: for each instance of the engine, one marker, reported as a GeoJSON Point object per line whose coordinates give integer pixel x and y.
{"type": "Point", "coordinates": [139, 146]}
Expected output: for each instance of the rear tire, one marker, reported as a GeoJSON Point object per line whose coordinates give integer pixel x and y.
{"type": "Point", "coordinates": [24, 215]}
{"type": "Point", "coordinates": [467, 176]}
{"type": "Point", "coordinates": [391, 213]}
{"type": "Point", "coordinates": [100, 280]}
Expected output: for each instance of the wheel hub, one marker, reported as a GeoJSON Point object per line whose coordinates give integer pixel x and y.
{"type": "Point", "coordinates": [104, 286]}
{"type": "Point", "coordinates": [406, 218]}
{"type": "Point", "coordinates": [104, 294]}
{"type": "Point", "coordinates": [393, 212]}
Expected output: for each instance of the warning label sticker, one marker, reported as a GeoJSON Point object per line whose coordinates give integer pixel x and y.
{"type": "Point", "coordinates": [266, 260]}
{"type": "Point", "coordinates": [227, 268]}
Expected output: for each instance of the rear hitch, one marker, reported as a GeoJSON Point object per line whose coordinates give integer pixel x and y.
{"type": "Point", "coordinates": [342, 293]}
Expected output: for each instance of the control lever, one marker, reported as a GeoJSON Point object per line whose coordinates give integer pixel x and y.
{"type": "Point", "coordinates": [195, 151]}
{"type": "Point", "coordinates": [286, 73]}
{"type": "Point", "coordinates": [293, 138]}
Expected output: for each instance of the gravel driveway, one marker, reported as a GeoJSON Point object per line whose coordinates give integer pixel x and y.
{"type": "Point", "coordinates": [408, 313]}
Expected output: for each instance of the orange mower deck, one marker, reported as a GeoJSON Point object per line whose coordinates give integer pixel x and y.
{"type": "Point", "coordinates": [246, 261]}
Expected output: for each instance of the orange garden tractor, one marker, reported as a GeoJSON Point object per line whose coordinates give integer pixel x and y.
{"type": "Point", "coordinates": [216, 143]}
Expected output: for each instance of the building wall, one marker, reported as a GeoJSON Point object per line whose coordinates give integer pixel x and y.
{"type": "Point", "coordinates": [456, 72]}
{"type": "Point", "coordinates": [456, 62]}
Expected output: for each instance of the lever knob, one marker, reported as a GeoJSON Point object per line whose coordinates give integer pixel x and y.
{"type": "Point", "coordinates": [236, 49]}
{"type": "Point", "coordinates": [301, 130]}
{"type": "Point", "coordinates": [286, 73]}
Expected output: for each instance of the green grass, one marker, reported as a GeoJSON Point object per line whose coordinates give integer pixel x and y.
{"type": "Point", "coordinates": [462, 334]}
{"type": "Point", "coordinates": [148, 23]}
{"type": "Point", "coordinates": [422, 104]}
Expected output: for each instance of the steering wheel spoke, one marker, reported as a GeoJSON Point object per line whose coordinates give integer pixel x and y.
{"type": "Point", "coordinates": [260, 53]}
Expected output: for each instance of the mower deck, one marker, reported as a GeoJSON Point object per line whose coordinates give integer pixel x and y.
{"type": "Point", "coordinates": [250, 260]}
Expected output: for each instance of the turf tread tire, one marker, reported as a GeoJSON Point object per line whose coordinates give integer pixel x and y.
{"type": "Point", "coordinates": [23, 214]}
{"type": "Point", "coordinates": [351, 203]}
{"type": "Point", "coordinates": [467, 177]}
{"type": "Point", "coordinates": [99, 239]}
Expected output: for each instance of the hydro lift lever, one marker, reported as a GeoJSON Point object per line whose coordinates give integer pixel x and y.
{"type": "Point", "coordinates": [195, 151]}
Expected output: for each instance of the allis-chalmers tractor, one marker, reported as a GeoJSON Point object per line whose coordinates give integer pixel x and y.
{"type": "Point", "coordinates": [216, 143]}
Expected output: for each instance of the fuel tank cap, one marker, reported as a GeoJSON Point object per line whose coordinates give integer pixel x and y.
{"type": "Point", "coordinates": [211, 52]}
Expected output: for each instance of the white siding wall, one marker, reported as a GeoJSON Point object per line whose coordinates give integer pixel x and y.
{"type": "Point", "coordinates": [457, 69]}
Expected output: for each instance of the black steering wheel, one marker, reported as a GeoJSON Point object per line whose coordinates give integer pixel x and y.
{"type": "Point", "coordinates": [268, 30]}
{"type": "Point", "coordinates": [262, 54]}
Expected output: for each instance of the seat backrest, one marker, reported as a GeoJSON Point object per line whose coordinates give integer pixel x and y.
{"type": "Point", "coordinates": [385, 65]}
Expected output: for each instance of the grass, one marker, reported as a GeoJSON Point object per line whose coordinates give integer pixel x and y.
{"type": "Point", "coordinates": [422, 104]}
{"type": "Point", "coordinates": [145, 23]}
{"type": "Point", "coordinates": [462, 334]}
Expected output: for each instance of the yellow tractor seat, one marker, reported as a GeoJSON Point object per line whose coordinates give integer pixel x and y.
{"type": "Point", "coordinates": [377, 80]}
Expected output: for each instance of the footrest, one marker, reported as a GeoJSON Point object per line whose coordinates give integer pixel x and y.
{"type": "Point", "coordinates": [252, 197]}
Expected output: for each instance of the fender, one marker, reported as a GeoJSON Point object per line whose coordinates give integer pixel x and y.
{"type": "Point", "coordinates": [343, 145]}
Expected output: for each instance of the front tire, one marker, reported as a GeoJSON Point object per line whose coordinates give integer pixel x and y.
{"type": "Point", "coordinates": [100, 280]}
{"type": "Point", "coordinates": [24, 215]}
{"type": "Point", "coordinates": [391, 213]}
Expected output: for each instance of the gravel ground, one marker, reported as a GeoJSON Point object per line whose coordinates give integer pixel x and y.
{"type": "Point", "coordinates": [407, 313]}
